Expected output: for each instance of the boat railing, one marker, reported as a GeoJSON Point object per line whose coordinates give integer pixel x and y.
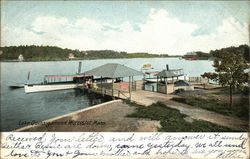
{"type": "Point", "coordinates": [197, 80]}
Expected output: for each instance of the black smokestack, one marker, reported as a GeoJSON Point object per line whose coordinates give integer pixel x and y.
{"type": "Point", "coordinates": [167, 67]}
{"type": "Point", "coordinates": [79, 67]}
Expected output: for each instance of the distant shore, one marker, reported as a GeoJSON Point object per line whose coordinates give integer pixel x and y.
{"type": "Point", "coordinates": [53, 53]}
{"type": "Point", "coordinates": [78, 59]}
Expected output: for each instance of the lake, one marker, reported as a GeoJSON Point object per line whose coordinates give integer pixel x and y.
{"type": "Point", "coordinates": [17, 107]}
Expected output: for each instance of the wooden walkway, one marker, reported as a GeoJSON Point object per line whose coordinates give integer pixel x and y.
{"type": "Point", "coordinates": [115, 93]}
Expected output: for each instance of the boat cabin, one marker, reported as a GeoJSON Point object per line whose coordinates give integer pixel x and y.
{"type": "Point", "coordinates": [50, 79]}
{"type": "Point", "coordinates": [169, 74]}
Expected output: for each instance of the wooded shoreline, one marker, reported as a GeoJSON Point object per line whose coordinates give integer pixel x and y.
{"type": "Point", "coordinates": [53, 53]}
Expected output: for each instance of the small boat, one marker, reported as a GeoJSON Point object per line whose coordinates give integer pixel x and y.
{"type": "Point", "coordinates": [147, 66]}
{"type": "Point", "coordinates": [53, 83]}
{"type": "Point", "coordinates": [58, 82]}
{"type": "Point", "coordinates": [150, 76]}
{"type": "Point", "coordinates": [49, 87]}
{"type": "Point", "coordinates": [149, 73]}
{"type": "Point", "coordinates": [16, 86]}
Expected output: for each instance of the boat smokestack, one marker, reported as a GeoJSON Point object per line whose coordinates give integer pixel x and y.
{"type": "Point", "coordinates": [28, 78]}
{"type": "Point", "coordinates": [79, 67]}
{"type": "Point", "coordinates": [167, 67]}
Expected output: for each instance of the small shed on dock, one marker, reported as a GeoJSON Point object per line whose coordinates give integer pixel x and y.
{"type": "Point", "coordinates": [113, 71]}
{"type": "Point", "coordinates": [162, 80]}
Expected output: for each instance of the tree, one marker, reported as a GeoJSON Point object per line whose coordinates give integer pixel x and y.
{"type": "Point", "coordinates": [229, 71]}
{"type": "Point", "coordinates": [244, 49]}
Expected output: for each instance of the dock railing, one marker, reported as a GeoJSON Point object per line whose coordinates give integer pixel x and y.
{"type": "Point", "coordinates": [120, 90]}
{"type": "Point", "coordinates": [197, 80]}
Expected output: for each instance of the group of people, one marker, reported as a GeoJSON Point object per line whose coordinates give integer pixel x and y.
{"type": "Point", "coordinates": [88, 84]}
{"type": "Point", "coordinates": [91, 84]}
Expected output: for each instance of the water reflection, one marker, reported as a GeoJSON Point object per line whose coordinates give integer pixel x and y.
{"type": "Point", "coordinates": [44, 105]}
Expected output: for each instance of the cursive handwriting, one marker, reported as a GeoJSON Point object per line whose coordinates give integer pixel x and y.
{"type": "Point", "coordinates": [119, 145]}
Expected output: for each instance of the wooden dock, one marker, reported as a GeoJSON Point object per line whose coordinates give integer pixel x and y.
{"type": "Point", "coordinates": [116, 90]}
{"type": "Point", "coordinates": [133, 90]}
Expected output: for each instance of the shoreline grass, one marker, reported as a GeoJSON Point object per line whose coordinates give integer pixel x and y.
{"type": "Point", "coordinates": [172, 120]}
{"type": "Point", "coordinates": [214, 102]}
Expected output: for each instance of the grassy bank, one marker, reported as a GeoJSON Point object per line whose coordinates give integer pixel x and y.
{"type": "Point", "coordinates": [217, 100]}
{"type": "Point", "coordinates": [173, 121]}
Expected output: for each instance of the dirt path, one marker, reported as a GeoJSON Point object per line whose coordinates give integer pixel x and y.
{"type": "Point", "coordinates": [147, 98]}
{"type": "Point", "coordinates": [108, 117]}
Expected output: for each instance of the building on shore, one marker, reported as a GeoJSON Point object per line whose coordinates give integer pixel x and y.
{"type": "Point", "coordinates": [84, 53]}
{"type": "Point", "coordinates": [71, 55]}
{"type": "Point", "coordinates": [20, 58]}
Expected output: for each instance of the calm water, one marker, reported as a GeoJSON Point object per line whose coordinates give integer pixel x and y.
{"type": "Point", "coordinates": [17, 106]}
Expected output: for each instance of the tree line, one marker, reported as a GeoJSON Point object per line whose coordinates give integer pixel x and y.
{"type": "Point", "coordinates": [47, 53]}
{"type": "Point", "coordinates": [242, 50]}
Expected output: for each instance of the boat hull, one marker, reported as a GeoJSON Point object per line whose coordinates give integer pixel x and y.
{"type": "Point", "coordinates": [15, 86]}
{"type": "Point", "coordinates": [154, 80]}
{"type": "Point", "coordinates": [45, 88]}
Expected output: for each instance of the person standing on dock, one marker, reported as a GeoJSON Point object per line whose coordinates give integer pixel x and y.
{"type": "Point", "coordinates": [89, 83]}
{"type": "Point", "coordinates": [95, 85]}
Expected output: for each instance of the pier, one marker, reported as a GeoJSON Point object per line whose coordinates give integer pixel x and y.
{"type": "Point", "coordinates": [121, 90]}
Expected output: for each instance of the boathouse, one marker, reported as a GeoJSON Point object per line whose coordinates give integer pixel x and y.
{"type": "Point", "coordinates": [116, 73]}
{"type": "Point", "coordinates": [190, 56]}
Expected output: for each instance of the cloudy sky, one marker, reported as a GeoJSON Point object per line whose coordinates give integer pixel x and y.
{"type": "Point", "coordinates": [172, 27]}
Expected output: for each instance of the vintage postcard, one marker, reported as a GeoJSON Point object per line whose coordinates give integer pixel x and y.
{"type": "Point", "coordinates": [171, 77]}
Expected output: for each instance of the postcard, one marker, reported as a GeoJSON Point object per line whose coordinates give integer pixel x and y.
{"type": "Point", "coordinates": [124, 79]}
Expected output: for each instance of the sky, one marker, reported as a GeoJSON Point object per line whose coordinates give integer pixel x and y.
{"type": "Point", "coordinates": [160, 27]}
